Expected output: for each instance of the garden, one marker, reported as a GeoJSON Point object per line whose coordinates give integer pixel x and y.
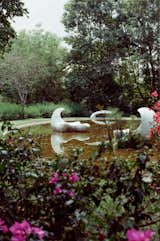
{"type": "Point", "coordinates": [113, 64]}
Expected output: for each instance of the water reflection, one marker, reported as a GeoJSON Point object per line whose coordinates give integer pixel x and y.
{"type": "Point", "coordinates": [55, 143]}
{"type": "Point", "coordinates": [58, 139]}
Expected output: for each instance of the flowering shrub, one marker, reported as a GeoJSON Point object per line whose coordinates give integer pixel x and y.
{"type": "Point", "coordinates": [63, 183]}
{"type": "Point", "coordinates": [74, 199]}
{"type": "Point", "coordinates": [22, 231]}
{"type": "Point", "coordinates": [3, 226]}
{"type": "Point", "coordinates": [154, 135]}
{"type": "Point", "coordinates": [136, 235]}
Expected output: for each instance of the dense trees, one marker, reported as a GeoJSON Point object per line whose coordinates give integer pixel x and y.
{"type": "Point", "coordinates": [113, 60]}
{"type": "Point", "coordinates": [94, 41]}
{"type": "Point", "coordinates": [33, 69]}
{"type": "Point", "coordinates": [8, 10]}
{"type": "Point", "coordinates": [115, 48]}
{"type": "Point", "coordinates": [140, 69]}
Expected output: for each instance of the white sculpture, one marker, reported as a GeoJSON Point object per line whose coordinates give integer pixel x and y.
{"type": "Point", "coordinates": [58, 139]}
{"type": "Point", "coordinates": [147, 121]}
{"type": "Point", "coordinates": [59, 125]}
{"type": "Point", "coordinates": [100, 112]}
{"type": "Point", "coordinates": [119, 133]}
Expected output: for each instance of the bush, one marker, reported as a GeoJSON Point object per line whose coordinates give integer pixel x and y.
{"type": "Point", "coordinates": [73, 199]}
{"type": "Point", "coordinates": [46, 109]}
{"type": "Point", "coordinates": [10, 111]}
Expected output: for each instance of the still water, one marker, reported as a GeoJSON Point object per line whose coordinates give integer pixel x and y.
{"type": "Point", "coordinates": [54, 143]}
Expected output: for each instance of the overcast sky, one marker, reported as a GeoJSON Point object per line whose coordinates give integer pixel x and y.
{"type": "Point", "coordinates": [48, 13]}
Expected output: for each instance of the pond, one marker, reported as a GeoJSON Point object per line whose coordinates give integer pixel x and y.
{"type": "Point", "coordinates": [53, 143]}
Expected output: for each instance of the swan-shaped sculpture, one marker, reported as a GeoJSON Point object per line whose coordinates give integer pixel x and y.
{"type": "Point", "coordinates": [147, 121]}
{"type": "Point", "coordinates": [100, 112]}
{"type": "Point", "coordinates": [58, 139]}
{"type": "Point", "coordinates": [59, 125]}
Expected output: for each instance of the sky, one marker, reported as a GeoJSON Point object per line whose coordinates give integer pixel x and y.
{"type": "Point", "coordinates": [48, 13]}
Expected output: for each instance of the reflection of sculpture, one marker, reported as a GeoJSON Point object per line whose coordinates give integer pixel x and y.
{"type": "Point", "coordinates": [147, 121]}
{"type": "Point", "coordinates": [58, 124]}
{"type": "Point", "coordinates": [100, 112]}
{"type": "Point", "coordinates": [57, 139]}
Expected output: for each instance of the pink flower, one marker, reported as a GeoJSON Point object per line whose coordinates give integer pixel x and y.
{"type": "Point", "coordinates": [151, 133]}
{"type": "Point", "coordinates": [157, 129]}
{"type": "Point", "coordinates": [73, 178]}
{"type": "Point", "coordinates": [54, 179]}
{"type": "Point", "coordinates": [20, 231]}
{"type": "Point", "coordinates": [157, 106]}
{"type": "Point", "coordinates": [57, 190]}
{"type": "Point", "coordinates": [70, 193]}
{"type": "Point", "coordinates": [157, 117]}
{"type": "Point", "coordinates": [65, 174]}
{"type": "Point", "coordinates": [38, 231]}
{"type": "Point", "coordinates": [154, 94]}
{"type": "Point", "coordinates": [3, 227]}
{"type": "Point", "coordinates": [136, 235]}
{"type": "Point", "coordinates": [11, 140]}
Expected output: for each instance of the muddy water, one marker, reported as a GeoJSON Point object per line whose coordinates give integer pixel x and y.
{"type": "Point", "coordinates": [63, 143]}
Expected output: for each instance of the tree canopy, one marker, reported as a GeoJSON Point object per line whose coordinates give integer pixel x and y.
{"type": "Point", "coordinates": [8, 10]}
{"type": "Point", "coordinates": [110, 37]}
{"type": "Point", "coordinates": [33, 69]}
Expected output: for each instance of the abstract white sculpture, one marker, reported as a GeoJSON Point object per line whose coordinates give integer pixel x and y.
{"type": "Point", "coordinates": [100, 112]}
{"type": "Point", "coordinates": [147, 121]}
{"type": "Point", "coordinates": [59, 125]}
{"type": "Point", "coordinates": [58, 139]}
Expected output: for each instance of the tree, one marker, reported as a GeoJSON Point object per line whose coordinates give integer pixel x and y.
{"type": "Point", "coordinates": [106, 35]}
{"type": "Point", "coordinates": [48, 47]}
{"type": "Point", "coordinates": [33, 68]}
{"type": "Point", "coordinates": [142, 58]}
{"type": "Point", "coordinates": [19, 70]}
{"type": "Point", "coordinates": [96, 39]}
{"type": "Point", "coordinates": [8, 10]}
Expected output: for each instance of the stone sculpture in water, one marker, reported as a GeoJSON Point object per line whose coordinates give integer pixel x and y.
{"type": "Point", "coordinates": [100, 112]}
{"type": "Point", "coordinates": [146, 122]}
{"type": "Point", "coordinates": [59, 125]}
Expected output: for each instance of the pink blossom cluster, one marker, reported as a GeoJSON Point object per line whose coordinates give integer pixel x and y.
{"type": "Point", "coordinates": [21, 231]}
{"type": "Point", "coordinates": [62, 183]}
{"type": "Point", "coordinates": [3, 226]}
{"type": "Point", "coordinates": [155, 131]}
{"type": "Point", "coordinates": [136, 235]}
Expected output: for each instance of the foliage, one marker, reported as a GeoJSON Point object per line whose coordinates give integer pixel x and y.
{"type": "Point", "coordinates": [74, 199]}
{"type": "Point", "coordinates": [8, 10]}
{"type": "Point", "coordinates": [11, 111]}
{"type": "Point", "coordinates": [114, 58]}
{"type": "Point", "coordinates": [93, 50]}
{"type": "Point", "coordinates": [33, 69]}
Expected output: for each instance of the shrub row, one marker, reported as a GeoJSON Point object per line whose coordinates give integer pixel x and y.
{"type": "Point", "coordinates": [12, 111]}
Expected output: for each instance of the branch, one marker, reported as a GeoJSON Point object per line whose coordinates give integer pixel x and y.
{"type": "Point", "coordinates": [150, 223]}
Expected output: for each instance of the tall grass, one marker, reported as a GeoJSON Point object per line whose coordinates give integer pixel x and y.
{"type": "Point", "coordinates": [44, 109]}
{"type": "Point", "coordinates": [11, 111]}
